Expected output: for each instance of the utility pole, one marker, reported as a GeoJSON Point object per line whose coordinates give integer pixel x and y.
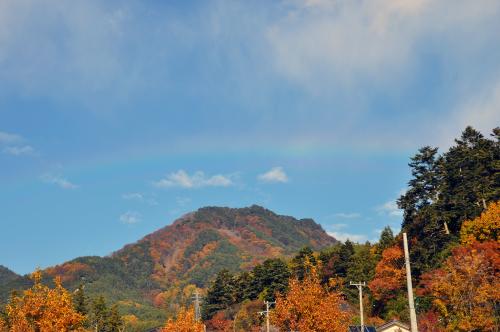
{"type": "Point", "coordinates": [197, 300]}
{"type": "Point", "coordinates": [268, 304]}
{"type": "Point", "coordinates": [413, 315]}
{"type": "Point", "coordinates": [360, 286]}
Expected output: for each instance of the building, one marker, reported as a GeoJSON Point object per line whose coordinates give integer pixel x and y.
{"type": "Point", "coordinates": [393, 326]}
{"type": "Point", "coordinates": [357, 328]}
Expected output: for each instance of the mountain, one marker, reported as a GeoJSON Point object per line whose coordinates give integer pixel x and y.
{"type": "Point", "coordinates": [187, 254]}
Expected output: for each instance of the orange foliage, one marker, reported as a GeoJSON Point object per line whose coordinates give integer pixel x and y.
{"type": "Point", "coordinates": [220, 323]}
{"type": "Point", "coordinates": [429, 322]}
{"type": "Point", "coordinates": [486, 227]}
{"type": "Point", "coordinates": [43, 309]}
{"type": "Point", "coordinates": [389, 274]}
{"type": "Point", "coordinates": [69, 271]}
{"type": "Point", "coordinates": [309, 307]}
{"type": "Point", "coordinates": [185, 322]}
{"type": "Point", "coordinates": [467, 288]}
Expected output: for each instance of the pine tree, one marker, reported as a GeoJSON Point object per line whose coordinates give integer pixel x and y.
{"type": "Point", "coordinates": [80, 301]}
{"type": "Point", "coordinates": [220, 294]}
{"type": "Point", "coordinates": [99, 315]}
{"type": "Point", "coordinates": [115, 321]}
{"type": "Point", "coordinates": [386, 240]}
{"type": "Point", "coordinates": [301, 262]}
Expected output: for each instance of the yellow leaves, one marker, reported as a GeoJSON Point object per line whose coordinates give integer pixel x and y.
{"type": "Point", "coordinates": [308, 307]}
{"type": "Point", "coordinates": [43, 309]}
{"type": "Point", "coordinates": [185, 322]}
{"type": "Point", "coordinates": [484, 228]}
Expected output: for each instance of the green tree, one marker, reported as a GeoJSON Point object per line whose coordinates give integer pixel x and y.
{"type": "Point", "coordinates": [80, 300]}
{"type": "Point", "coordinates": [115, 321]}
{"type": "Point", "coordinates": [271, 277]}
{"type": "Point", "coordinates": [99, 315]}
{"type": "Point", "coordinates": [220, 294]}
{"type": "Point", "coordinates": [386, 240]}
{"type": "Point", "coordinates": [300, 264]}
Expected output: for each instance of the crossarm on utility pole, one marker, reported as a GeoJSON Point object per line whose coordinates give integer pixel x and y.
{"type": "Point", "coordinates": [360, 286]}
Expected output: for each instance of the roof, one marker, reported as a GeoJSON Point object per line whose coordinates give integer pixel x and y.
{"type": "Point", "coordinates": [393, 323]}
{"type": "Point", "coordinates": [357, 328]}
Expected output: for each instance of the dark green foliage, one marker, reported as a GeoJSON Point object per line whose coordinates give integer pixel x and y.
{"type": "Point", "coordinates": [99, 315]}
{"type": "Point", "coordinates": [80, 300]}
{"type": "Point", "coordinates": [446, 190]}
{"type": "Point", "coordinates": [300, 264]}
{"type": "Point", "coordinates": [103, 319]}
{"type": "Point", "coordinates": [220, 295]}
{"type": "Point", "coordinates": [361, 267]}
{"type": "Point", "coordinates": [269, 278]}
{"type": "Point", "coordinates": [115, 322]}
{"type": "Point", "coordinates": [386, 240]}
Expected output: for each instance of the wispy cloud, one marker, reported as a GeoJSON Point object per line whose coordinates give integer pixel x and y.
{"type": "Point", "coordinates": [390, 208]}
{"type": "Point", "coordinates": [19, 150]}
{"type": "Point", "coordinates": [7, 138]}
{"type": "Point", "coordinates": [131, 217]}
{"type": "Point", "coordinates": [341, 236]}
{"type": "Point", "coordinates": [182, 179]}
{"type": "Point", "coordinates": [274, 175]}
{"type": "Point", "coordinates": [59, 181]}
{"type": "Point", "coordinates": [349, 215]}
{"type": "Point", "coordinates": [13, 145]}
{"type": "Point", "coordinates": [140, 197]}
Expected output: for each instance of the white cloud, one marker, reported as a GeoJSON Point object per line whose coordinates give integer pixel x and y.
{"type": "Point", "coordinates": [59, 181]}
{"type": "Point", "coordinates": [348, 236]}
{"type": "Point", "coordinates": [130, 217]}
{"type": "Point", "coordinates": [19, 150]}
{"type": "Point", "coordinates": [350, 215]}
{"type": "Point", "coordinates": [140, 197]}
{"type": "Point", "coordinates": [198, 179]}
{"type": "Point", "coordinates": [351, 41]}
{"type": "Point", "coordinates": [274, 175]}
{"type": "Point", "coordinates": [390, 208]}
{"type": "Point", "coordinates": [7, 138]}
{"type": "Point", "coordinates": [480, 110]}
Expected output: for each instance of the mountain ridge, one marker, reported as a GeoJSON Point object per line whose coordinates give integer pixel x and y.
{"type": "Point", "coordinates": [184, 255]}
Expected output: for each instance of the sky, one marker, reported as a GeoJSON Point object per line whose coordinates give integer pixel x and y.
{"type": "Point", "coordinates": [117, 117]}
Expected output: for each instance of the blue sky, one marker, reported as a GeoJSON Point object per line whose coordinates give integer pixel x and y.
{"type": "Point", "coordinates": [116, 117]}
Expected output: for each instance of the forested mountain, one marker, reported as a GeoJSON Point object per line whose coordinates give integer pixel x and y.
{"type": "Point", "coordinates": [161, 271]}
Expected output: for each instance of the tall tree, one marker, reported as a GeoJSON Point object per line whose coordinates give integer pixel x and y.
{"type": "Point", "coordinates": [302, 262]}
{"type": "Point", "coordinates": [386, 240]}
{"type": "Point", "coordinates": [309, 307]}
{"type": "Point", "coordinates": [220, 294]}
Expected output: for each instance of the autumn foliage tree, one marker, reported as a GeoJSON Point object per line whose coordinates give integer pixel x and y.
{"type": "Point", "coordinates": [42, 309]}
{"type": "Point", "coordinates": [466, 290]}
{"type": "Point", "coordinates": [486, 227]}
{"type": "Point", "coordinates": [389, 274]}
{"type": "Point", "coordinates": [310, 307]}
{"type": "Point", "coordinates": [185, 322]}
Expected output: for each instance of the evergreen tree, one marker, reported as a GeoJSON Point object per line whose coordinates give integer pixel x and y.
{"type": "Point", "coordinates": [80, 300]}
{"type": "Point", "coordinates": [115, 322]}
{"type": "Point", "coordinates": [386, 240]}
{"type": "Point", "coordinates": [300, 264]}
{"type": "Point", "coordinates": [99, 315]}
{"type": "Point", "coordinates": [220, 295]}
{"type": "Point", "coordinates": [271, 277]}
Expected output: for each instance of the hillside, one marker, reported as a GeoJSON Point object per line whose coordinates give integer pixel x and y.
{"type": "Point", "coordinates": [151, 272]}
